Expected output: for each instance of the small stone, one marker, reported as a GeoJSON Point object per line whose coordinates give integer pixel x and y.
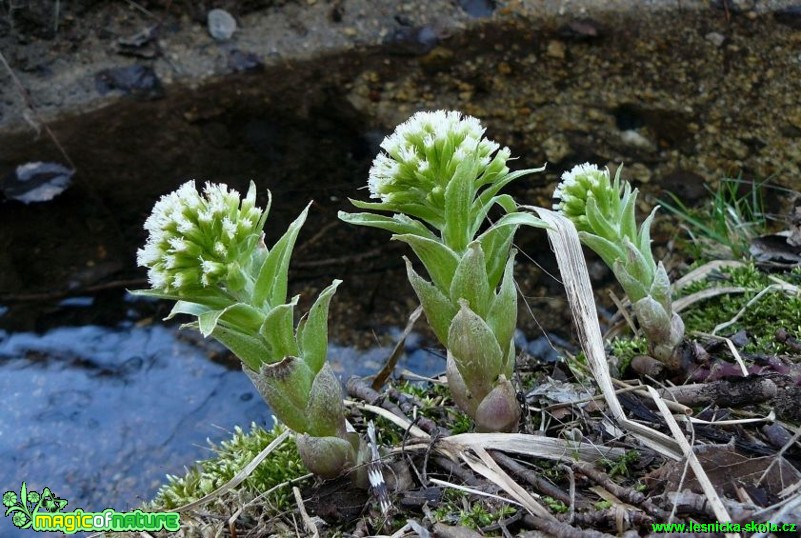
{"type": "Point", "coordinates": [349, 31]}
{"type": "Point", "coordinates": [556, 49]}
{"type": "Point", "coordinates": [221, 24]}
{"type": "Point", "coordinates": [715, 38]}
{"type": "Point", "coordinates": [631, 137]}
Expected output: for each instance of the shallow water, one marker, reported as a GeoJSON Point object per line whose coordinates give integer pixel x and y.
{"type": "Point", "coordinates": [101, 414]}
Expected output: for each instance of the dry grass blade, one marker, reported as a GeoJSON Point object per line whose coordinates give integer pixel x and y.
{"type": "Point", "coordinates": [700, 273]}
{"type": "Point", "coordinates": [732, 349]}
{"type": "Point", "coordinates": [780, 285]}
{"type": "Point", "coordinates": [709, 489]}
{"type": "Point", "coordinates": [238, 477]}
{"type": "Point", "coordinates": [307, 521]}
{"type": "Point", "coordinates": [573, 268]}
{"type": "Point", "coordinates": [382, 376]}
{"type": "Point", "coordinates": [392, 417]}
{"type": "Point", "coordinates": [472, 491]}
{"type": "Point", "coordinates": [533, 445]}
{"type": "Point", "coordinates": [684, 302]}
{"type": "Point", "coordinates": [486, 466]}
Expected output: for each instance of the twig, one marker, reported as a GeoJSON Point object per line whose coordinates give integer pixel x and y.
{"type": "Point", "coordinates": [389, 367]}
{"type": "Point", "coordinates": [543, 486]}
{"type": "Point", "coordinates": [562, 530]}
{"type": "Point", "coordinates": [29, 103]}
{"type": "Point", "coordinates": [626, 494]}
{"type": "Point", "coordinates": [307, 521]}
{"type": "Point", "coordinates": [358, 388]}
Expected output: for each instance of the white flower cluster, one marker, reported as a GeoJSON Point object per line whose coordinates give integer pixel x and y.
{"type": "Point", "coordinates": [577, 183]}
{"type": "Point", "coordinates": [422, 154]}
{"type": "Point", "coordinates": [194, 241]}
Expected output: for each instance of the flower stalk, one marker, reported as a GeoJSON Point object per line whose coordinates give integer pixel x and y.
{"type": "Point", "coordinates": [207, 252]}
{"type": "Point", "coordinates": [439, 177]}
{"type": "Point", "coordinates": [603, 211]}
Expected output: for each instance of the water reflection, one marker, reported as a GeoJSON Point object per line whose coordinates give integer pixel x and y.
{"type": "Point", "coordinates": [100, 415]}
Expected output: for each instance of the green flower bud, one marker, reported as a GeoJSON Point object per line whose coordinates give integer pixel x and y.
{"type": "Point", "coordinates": [196, 241]}
{"type": "Point", "coordinates": [422, 155]}
{"type": "Point", "coordinates": [326, 456]}
{"type": "Point", "coordinates": [499, 411]}
{"type": "Point", "coordinates": [603, 212]}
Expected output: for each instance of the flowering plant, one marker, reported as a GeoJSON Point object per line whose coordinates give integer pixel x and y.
{"type": "Point", "coordinates": [207, 253]}
{"type": "Point", "coordinates": [440, 177]}
{"type": "Point", "coordinates": [603, 212]}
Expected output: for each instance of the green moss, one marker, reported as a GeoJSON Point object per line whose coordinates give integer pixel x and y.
{"type": "Point", "coordinates": [435, 399]}
{"type": "Point", "coordinates": [625, 349]}
{"type": "Point", "coordinates": [232, 456]}
{"type": "Point", "coordinates": [555, 505]}
{"type": "Point", "coordinates": [620, 466]}
{"type": "Point", "coordinates": [455, 509]}
{"type": "Point", "coordinates": [774, 310]}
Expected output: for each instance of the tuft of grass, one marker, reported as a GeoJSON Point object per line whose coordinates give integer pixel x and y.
{"type": "Point", "coordinates": [232, 456]}
{"type": "Point", "coordinates": [724, 227]}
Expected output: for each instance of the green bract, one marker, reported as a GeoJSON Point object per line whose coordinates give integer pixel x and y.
{"type": "Point", "coordinates": [603, 212]}
{"type": "Point", "coordinates": [208, 254]}
{"type": "Point", "coordinates": [440, 177]}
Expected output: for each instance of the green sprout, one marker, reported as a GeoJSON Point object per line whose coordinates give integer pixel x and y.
{"type": "Point", "coordinates": [603, 212]}
{"type": "Point", "coordinates": [440, 177]}
{"type": "Point", "coordinates": [207, 253]}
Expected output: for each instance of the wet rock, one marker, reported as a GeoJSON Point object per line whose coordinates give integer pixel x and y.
{"type": "Point", "coordinates": [415, 41]}
{"type": "Point", "coordinates": [581, 30]}
{"type": "Point", "coordinates": [478, 8]}
{"type": "Point", "coordinates": [142, 44]}
{"type": "Point", "coordinates": [221, 24]}
{"type": "Point", "coordinates": [556, 49]}
{"type": "Point", "coordinates": [717, 39]}
{"type": "Point", "coordinates": [37, 182]}
{"type": "Point", "coordinates": [687, 185]}
{"type": "Point", "coordinates": [639, 172]}
{"type": "Point", "coordinates": [790, 16]}
{"type": "Point", "coordinates": [556, 148]}
{"type": "Point", "coordinates": [242, 62]}
{"type": "Point", "coordinates": [136, 80]}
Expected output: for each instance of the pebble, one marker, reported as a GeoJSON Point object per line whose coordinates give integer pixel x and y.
{"type": "Point", "coordinates": [715, 38]}
{"type": "Point", "coordinates": [556, 49]}
{"type": "Point", "coordinates": [478, 8]}
{"type": "Point", "coordinates": [221, 24]}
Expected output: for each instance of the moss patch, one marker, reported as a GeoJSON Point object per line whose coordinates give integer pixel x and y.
{"type": "Point", "coordinates": [232, 456]}
{"type": "Point", "coordinates": [774, 310]}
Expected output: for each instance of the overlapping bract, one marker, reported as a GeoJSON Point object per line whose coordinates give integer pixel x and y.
{"type": "Point", "coordinates": [440, 177]}
{"type": "Point", "coordinates": [207, 253]}
{"type": "Point", "coordinates": [603, 212]}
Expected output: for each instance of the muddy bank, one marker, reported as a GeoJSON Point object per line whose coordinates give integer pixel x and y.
{"type": "Point", "coordinates": [683, 94]}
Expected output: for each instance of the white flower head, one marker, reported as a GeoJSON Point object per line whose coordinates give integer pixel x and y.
{"type": "Point", "coordinates": [194, 239]}
{"type": "Point", "coordinates": [584, 183]}
{"type": "Point", "coordinates": [423, 152]}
